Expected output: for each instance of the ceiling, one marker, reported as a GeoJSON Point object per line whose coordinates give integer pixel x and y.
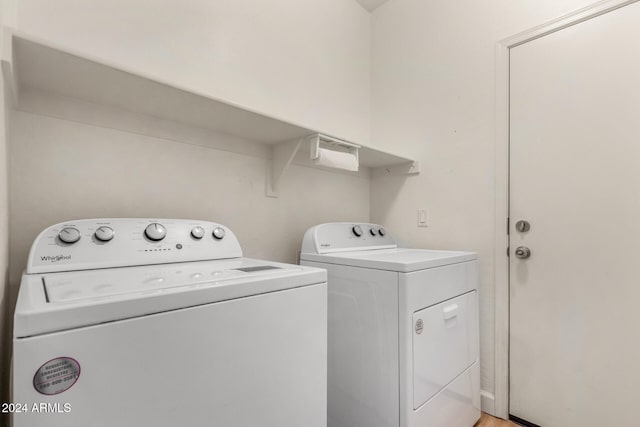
{"type": "Point", "coordinates": [370, 5]}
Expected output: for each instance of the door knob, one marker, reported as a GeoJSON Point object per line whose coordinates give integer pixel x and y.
{"type": "Point", "coordinates": [523, 252]}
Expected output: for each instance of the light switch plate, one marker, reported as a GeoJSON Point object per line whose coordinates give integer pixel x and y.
{"type": "Point", "coordinates": [422, 218]}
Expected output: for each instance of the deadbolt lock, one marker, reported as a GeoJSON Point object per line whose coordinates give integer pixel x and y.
{"type": "Point", "coordinates": [523, 226]}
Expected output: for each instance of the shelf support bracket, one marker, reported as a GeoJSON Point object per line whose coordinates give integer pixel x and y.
{"type": "Point", "coordinates": [281, 156]}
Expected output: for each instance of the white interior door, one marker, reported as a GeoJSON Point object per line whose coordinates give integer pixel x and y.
{"type": "Point", "coordinates": [575, 177]}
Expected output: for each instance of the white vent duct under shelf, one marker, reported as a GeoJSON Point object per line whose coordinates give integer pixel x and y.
{"type": "Point", "coordinates": [341, 154]}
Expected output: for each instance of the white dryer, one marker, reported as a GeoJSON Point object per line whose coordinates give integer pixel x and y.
{"type": "Point", "coordinates": [403, 329]}
{"type": "Point", "coordinates": [133, 322]}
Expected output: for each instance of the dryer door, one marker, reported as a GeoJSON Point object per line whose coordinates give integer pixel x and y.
{"type": "Point", "coordinates": [445, 343]}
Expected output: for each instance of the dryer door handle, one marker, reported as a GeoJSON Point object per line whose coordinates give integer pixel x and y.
{"type": "Point", "coordinates": [450, 311]}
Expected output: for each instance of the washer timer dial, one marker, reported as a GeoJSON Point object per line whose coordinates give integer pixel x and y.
{"type": "Point", "coordinates": [155, 232]}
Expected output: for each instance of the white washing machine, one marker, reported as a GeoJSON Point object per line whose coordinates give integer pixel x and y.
{"type": "Point", "coordinates": [403, 330]}
{"type": "Point", "coordinates": [133, 322]}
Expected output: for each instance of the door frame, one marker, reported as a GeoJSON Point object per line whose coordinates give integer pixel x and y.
{"type": "Point", "coordinates": [501, 341]}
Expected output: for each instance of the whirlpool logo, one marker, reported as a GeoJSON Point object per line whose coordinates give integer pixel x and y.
{"type": "Point", "coordinates": [55, 258]}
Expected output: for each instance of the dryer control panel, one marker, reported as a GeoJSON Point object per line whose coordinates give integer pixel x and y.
{"type": "Point", "coordinates": [119, 242]}
{"type": "Point", "coordinates": [346, 236]}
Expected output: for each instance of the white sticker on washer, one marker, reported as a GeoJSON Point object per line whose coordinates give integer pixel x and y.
{"type": "Point", "coordinates": [56, 376]}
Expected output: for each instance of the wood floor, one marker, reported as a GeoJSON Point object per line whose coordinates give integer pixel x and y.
{"type": "Point", "coordinates": [489, 421]}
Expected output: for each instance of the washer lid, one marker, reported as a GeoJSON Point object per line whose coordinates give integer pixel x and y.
{"type": "Point", "coordinates": [123, 282]}
{"type": "Point", "coordinates": [398, 259]}
{"type": "Point", "coordinates": [59, 301]}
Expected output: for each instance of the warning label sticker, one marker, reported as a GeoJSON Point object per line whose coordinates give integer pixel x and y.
{"type": "Point", "coordinates": [56, 375]}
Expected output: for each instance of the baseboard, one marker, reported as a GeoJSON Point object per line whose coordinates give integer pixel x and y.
{"type": "Point", "coordinates": [488, 402]}
{"type": "Point", "coordinates": [521, 422]}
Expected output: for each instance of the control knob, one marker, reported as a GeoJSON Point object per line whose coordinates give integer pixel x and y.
{"type": "Point", "coordinates": [382, 232]}
{"type": "Point", "coordinates": [357, 230]}
{"type": "Point", "coordinates": [373, 231]}
{"type": "Point", "coordinates": [155, 232]}
{"type": "Point", "coordinates": [69, 235]}
{"type": "Point", "coordinates": [104, 233]}
{"type": "Point", "coordinates": [197, 232]}
{"type": "Point", "coordinates": [218, 233]}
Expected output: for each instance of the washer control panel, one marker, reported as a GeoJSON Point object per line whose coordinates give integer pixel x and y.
{"type": "Point", "coordinates": [119, 242]}
{"type": "Point", "coordinates": [346, 236]}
